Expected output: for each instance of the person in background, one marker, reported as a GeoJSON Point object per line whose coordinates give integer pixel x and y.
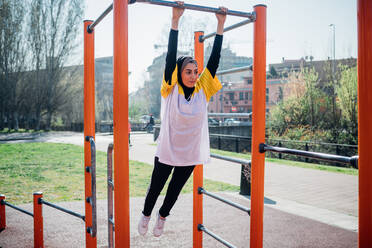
{"type": "Point", "coordinates": [129, 130]}
{"type": "Point", "coordinates": [184, 139]}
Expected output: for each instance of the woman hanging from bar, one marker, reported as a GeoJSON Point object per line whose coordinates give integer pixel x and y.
{"type": "Point", "coordinates": [183, 141]}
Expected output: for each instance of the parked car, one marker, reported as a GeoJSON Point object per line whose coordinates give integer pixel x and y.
{"type": "Point", "coordinates": [213, 122]}
{"type": "Point", "coordinates": [231, 122]}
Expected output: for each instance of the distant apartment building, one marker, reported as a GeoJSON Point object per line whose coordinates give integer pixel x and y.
{"type": "Point", "coordinates": [236, 96]}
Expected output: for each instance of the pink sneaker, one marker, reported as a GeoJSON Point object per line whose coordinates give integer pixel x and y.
{"type": "Point", "coordinates": [143, 224]}
{"type": "Point", "coordinates": [159, 226]}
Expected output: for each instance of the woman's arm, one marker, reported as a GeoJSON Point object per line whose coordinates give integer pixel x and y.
{"type": "Point", "coordinates": [214, 59]}
{"type": "Point", "coordinates": [170, 61]}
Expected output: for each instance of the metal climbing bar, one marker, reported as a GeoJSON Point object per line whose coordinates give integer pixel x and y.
{"type": "Point", "coordinates": [92, 170]}
{"type": "Point", "coordinates": [99, 19]}
{"type": "Point", "coordinates": [233, 204]}
{"type": "Point", "coordinates": [41, 201]}
{"type": "Point", "coordinates": [110, 188]}
{"type": "Point", "coordinates": [215, 236]}
{"type": "Point", "coordinates": [316, 155]}
{"type": "Point", "coordinates": [196, 7]}
{"type": "Point", "coordinates": [235, 70]}
{"type": "Point", "coordinates": [236, 25]}
{"type": "Point", "coordinates": [3, 202]}
{"type": "Point", "coordinates": [231, 159]}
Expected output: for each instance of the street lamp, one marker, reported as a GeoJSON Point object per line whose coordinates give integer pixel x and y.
{"type": "Point", "coordinates": [334, 47]}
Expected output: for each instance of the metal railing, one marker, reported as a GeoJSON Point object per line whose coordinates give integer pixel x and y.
{"type": "Point", "coordinates": [110, 188]}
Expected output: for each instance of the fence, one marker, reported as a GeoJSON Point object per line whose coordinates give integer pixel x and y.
{"type": "Point", "coordinates": [242, 144]}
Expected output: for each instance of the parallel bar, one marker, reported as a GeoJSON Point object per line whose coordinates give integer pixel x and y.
{"type": "Point", "coordinates": [110, 207]}
{"type": "Point", "coordinates": [230, 114]}
{"type": "Point", "coordinates": [99, 19]}
{"type": "Point", "coordinates": [230, 159]}
{"type": "Point", "coordinates": [236, 25]}
{"type": "Point", "coordinates": [316, 155]}
{"type": "Point", "coordinates": [364, 15]}
{"type": "Point", "coordinates": [233, 204]}
{"type": "Point", "coordinates": [215, 236]}
{"type": "Point", "coordinates": [235, 70]}
{"type": "Point", "coordinates": [197, 7]}
{"type": "Point", "coordinates": [62, 209]}
{"type": "Point", "coordinates": [16, 208]}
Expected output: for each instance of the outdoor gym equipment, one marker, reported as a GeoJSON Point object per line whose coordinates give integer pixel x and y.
{"type": "Point", "coordinates": [258, 17]}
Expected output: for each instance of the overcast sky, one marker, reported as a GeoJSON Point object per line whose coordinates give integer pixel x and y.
{"type": "Point", "coordinates": [295, 28]}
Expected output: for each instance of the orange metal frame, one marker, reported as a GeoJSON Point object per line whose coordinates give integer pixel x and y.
{"type": "Point", "coordinates": [121, 159]}
{"type": "Point", "coordinates": [198, 171]}
{"type": "Point", "coordinates": [365, 121]}
{"type": "Point", "coordinates": [89, 124]}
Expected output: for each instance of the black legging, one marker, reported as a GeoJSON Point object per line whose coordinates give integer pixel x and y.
{"type": "Point", "coordinates": [159, 177]}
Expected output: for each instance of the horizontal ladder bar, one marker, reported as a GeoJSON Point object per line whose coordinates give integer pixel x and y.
{"type": "Point", "coordinates": [230, 159]}
{"type": "Point", "coordinates": [16, 208]}
{"type": "Point", "coordinates": [239, 24]}
{"type": "Point", "coordinates": [41, 201]}
{"type": "Point", "coordinates": [235, 70]}
{"type": "Point", "coordinates": [233, 204]}
{"type": "Point", "coordinates": [353, 161]}
{"type": "Point", "coordinates": [215, 236]}
{"type": "Point", "coordinates": [196, 7]}
{"type": "Point", "coordinates": [99, 19]}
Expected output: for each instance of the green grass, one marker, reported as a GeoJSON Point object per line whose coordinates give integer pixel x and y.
{"type": "Point", "coordinates": [57, 170]}
{"type": "Point", "coordinates": [247, 156]}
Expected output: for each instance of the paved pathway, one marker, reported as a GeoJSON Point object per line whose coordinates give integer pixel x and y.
{"type": "Point", "coordinates": [317, 196]}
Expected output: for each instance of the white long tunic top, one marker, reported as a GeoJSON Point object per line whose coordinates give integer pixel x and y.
{"type": "Point", "coordinates": [184, 135]}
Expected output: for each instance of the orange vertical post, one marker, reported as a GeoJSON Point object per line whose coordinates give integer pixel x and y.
{"type": "Point", "coordinates": [121, 158]}
{"type": "Point", "coordinates": [38, 221]}
{"type": "Point", "coordinates": [89, 125]}
{"type": "Point", "coordinates": [2, 213]}
{"type": "Point", "coordinates": [198, 171]}
{"type": "Point", "coordinates": [364, 9]}
{"type": "Point", "coordinates": [258, 126]}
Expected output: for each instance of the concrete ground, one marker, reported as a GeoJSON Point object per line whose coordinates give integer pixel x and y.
{"type": "Point", "coordinates": [303, 208]}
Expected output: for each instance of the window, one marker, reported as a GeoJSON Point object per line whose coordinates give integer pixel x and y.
{"type": "Point", "coordinates": [231, 96]}
{"type": "Point", "coordinates": [267, 94]}
{"type": "Point", "coordinates": [250, 95]}
{"type": "Point", "coordinates": [241, 95]}
{"type": "Point", "coordinates": [246, 95]}
{"type": "Point", "coordinates": [249, 81]}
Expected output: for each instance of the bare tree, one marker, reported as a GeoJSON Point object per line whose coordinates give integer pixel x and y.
{"type": "Point", "coordinates": [11, 60]}
{"type": "Point", "coordinates": [52, 37]}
